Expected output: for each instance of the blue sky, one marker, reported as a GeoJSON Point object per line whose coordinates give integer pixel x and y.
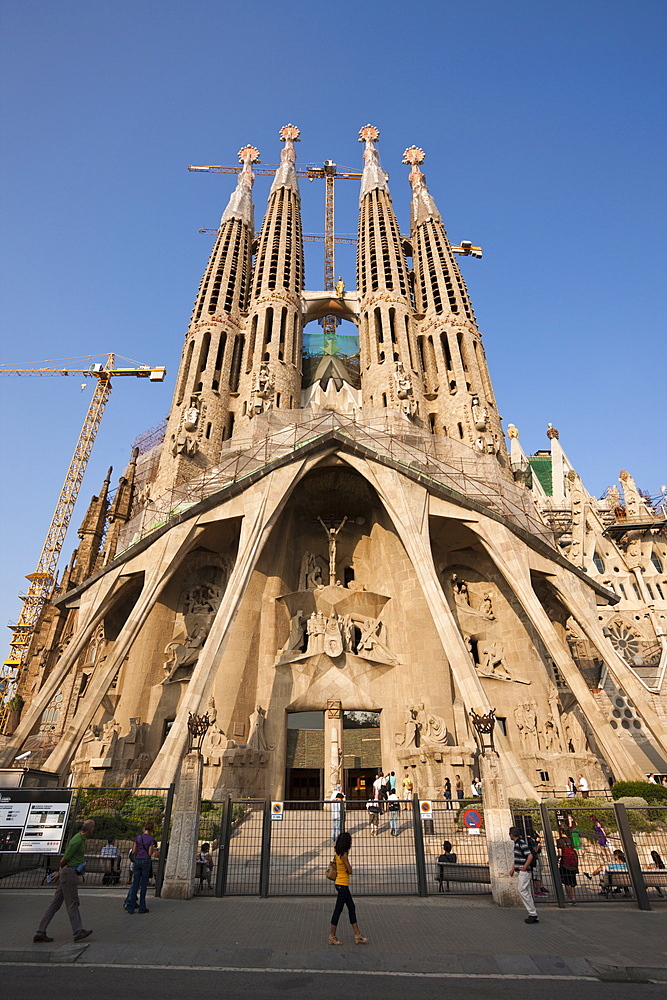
{"type": "Point", "coordinates": [543, 126]}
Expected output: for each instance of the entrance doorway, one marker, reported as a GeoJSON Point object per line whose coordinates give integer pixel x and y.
{"type": "Point", "coordinates": [359, 783]}
{"type": "Point", "coordinates": [305, 783]}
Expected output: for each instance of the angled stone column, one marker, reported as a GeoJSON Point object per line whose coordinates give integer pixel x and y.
{"type": "Point", "coordinates": [621, 671]}
{"type": "Point", "coordinates": [98, 600]}
{"type": "Point", "coordinates": [497, 821]}
{"type": "Point", "coordinates": [501, 547]}
{"type": "Point", "coordinates": [407, 505]}
{"type": "Point", "coordinates": [262, 507]}
{"type": "Point", "coordinates": [166, 557]}
{"type": "Point", "coordinates": [179, 875]}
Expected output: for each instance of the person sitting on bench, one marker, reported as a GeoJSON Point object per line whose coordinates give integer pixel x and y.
{"type": "Point", "coordinates": [617, 865]}
{"type": "Point", "coordinates": [448, 858]}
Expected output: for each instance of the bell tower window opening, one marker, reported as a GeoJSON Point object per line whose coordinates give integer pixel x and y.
{"type": "Point", "coordinates": [251, 343]}
{"type": "Point", "coordinates": [447, 354]}
{"type": "Point", "coordinates": [235, 372]}
{"type": "Point", "coordinates": [186, 371]}
{"type": "Point", "coordinates": [281, 342]}
{"type": "Point", "coordinates": [203, 354]}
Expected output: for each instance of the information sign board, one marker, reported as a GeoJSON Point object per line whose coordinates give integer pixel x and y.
{"type": "Point", "coordinates": [33, 820]}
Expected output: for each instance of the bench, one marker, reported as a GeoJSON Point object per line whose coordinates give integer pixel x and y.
{"type": "Point", "coordinates": [654, 878]}
{"type": "Point", "coordinates": [461, 872]}
{"type": "Point", "coordinates": [96, 864]}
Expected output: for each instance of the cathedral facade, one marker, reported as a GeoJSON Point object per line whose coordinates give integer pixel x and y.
{"type": "Point", "coordinates": [339, 559]}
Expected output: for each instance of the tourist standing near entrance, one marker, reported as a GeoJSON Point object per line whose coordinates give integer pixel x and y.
{"type": "Point", "coordinates": [343, 872]}
{"type": "Point", "coordinates": [447, 792]}
{"type": "Point", "coordinates": [373, 807]}
{"type": "Point", "coordinates": [144, 849]}
{"type": "Point", "coordinates": [583, 787]}
{"type": "Point", "coordinates": [392, 781]}
{"type": "Point", "coordinates": [67, 891]}
{"type": "Point", "coordinates": [407, 786]}
{"type": "Point", "coordinates": [394, 806]}
{"type": "Point", "coordinates": [522, 866]}
{"type": "Point", "coordinates": [458, 784]}
{"type": "Point", "coordinates": [336, 800]}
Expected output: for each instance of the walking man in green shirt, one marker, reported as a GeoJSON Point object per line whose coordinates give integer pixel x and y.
{"type": "Point", "coordinates": [67, 891]}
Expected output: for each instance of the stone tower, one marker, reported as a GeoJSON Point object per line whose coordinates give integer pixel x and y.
{"type": "Point", "coordinates": [271, 373]}
{"type": "Point", "coordinates": [458, 386]}
{"type": "Point", "coordinates": [388, 356]}
{"type": "Point", "coordinates": [323, 546]}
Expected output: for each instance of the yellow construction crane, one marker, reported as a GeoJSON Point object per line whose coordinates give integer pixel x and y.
{"type": "Point", "coordinates": [42, 580]}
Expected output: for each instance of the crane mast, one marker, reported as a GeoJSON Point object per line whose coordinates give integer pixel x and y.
{"type": "Point", "coordinates": [42, 580]}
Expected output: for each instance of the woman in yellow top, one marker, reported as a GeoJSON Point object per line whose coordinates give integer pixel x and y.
{"type": "Point", "coordinates": [343, 872]}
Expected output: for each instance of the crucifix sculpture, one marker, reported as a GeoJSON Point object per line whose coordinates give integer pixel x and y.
{"type": "Point", "coordinates": [331, 537]}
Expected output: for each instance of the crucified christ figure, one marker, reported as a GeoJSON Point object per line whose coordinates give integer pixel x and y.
{"type": "Point", "coordinates": [331, 535]}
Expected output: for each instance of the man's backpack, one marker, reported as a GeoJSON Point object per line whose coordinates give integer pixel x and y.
{"type": "Point", "coordinates": [570, 859]}
{"type": "Point", "coordinates": [535, 850]}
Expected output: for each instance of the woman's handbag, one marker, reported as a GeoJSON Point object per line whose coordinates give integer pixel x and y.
{"type": "Point", "coordinates": [332, 870]}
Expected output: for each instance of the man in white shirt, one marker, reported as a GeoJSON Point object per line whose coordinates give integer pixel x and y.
{"type": "Point", "coordinates": [583, 786]}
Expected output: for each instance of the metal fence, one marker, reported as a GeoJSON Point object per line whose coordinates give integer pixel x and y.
{"type": "Point", "coordinates": [470, 873]}
{"type": "Point", "coordinates": [393, 853]}
{"type": "Point", "coordinates": [119, 815]}
{"type": "Point", "coordinates": [621, 852]}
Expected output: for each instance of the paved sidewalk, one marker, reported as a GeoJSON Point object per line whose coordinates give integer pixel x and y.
{"type": "Point", "coordinates": [455, 936]}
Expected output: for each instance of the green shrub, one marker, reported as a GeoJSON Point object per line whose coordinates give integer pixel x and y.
{"type": "Point", "coordinates": [640, 789]}
{"type": "Point", "coordinates": [633, 802]}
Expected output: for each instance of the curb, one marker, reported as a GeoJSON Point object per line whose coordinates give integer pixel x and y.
{"type": "Point", "coordinates": [629, 973]}
{"type": "Point", "coordinates": [65, 954]}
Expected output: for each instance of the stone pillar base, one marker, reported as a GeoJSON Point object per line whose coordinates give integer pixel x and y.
{"type": "Point", "coordinates": [497, 821]}
{"type": "Point", "coordinates": [179, 876]}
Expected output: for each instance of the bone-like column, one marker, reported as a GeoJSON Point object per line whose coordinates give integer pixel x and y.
{"type": "Point", "coordinates": [97, 603]}
{"type": "Point", "coordinates": [501, 546]}
{"type": "Point", "coordinates": [167, 554]}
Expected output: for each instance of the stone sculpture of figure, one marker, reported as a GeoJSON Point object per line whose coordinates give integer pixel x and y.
{"type": "Point", "coordinates": [491, 659]}
{"type": "Point", "coordinates": [530, 722]}
{"type": "Point", "coordinates": [310, 575]}
{"type": "Point", "coordinates": [411, 728]}
{"type": "Point", "coordinates": [295, 638]}
{"type": "Point", "coordinates": [370, 644]}
{"type": "Point", "coordinates": [552, 736]}
{"type": "Point", "coordinates": [315, 627]}
{"type": "Point", "coordinates": [340, 287]}
{"type": "Point", "coordinates": [333, 638]}
{"type": "Point", "coordinates": [480, 414]}
{"type": "Point", "coordinates": [348, 633]}
{"type": "Point", "coordinates": [512, 431]}
{"type": "Point", "coordinates": [257, 736]}
{"type": "Point", "coordinates": [487, 608]}
{"type": "Point", "coordinates": [203, 599]}
{"type": "Point", "coordinates": [185, 653]}
{"type": "Point", "coordinates": [332, 534]}
{"type": "Point", "coordinates": [211, 710]}
{"type": "Point", "coordinates": [191, 415]}
{"type": "Point", "coordinates": [403, 383]}
{"type": "Point", "coordinates": [436, 729]}
{"type": "Point", "coordinates": [460, 588]}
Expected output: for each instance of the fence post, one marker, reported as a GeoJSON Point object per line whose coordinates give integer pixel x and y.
{"type": "Point", "coordinates": [223, 848]}
{"type": "Point", "coordinates": [551, 854]}
{"type": "Point", "coordinates": [164, 846]}
{"type": "Point", "coordinates": [419, 846]}
{"type": "Point", "coordinates": [634, 867]}
{"type": "Point", "coordinates": [266, 851]}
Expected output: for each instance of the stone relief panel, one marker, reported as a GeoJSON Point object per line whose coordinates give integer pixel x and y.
{"type": "Point", "coordinates": [202, 591]}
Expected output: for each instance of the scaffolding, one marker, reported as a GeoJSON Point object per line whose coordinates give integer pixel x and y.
{"type": "Point", "coordinates": [274, 436]}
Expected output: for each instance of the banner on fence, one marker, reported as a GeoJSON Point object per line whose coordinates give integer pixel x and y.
{"type": "Point", "coordinates": [33, 820]}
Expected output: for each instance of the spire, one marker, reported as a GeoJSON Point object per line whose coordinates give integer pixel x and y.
{"type": "Point", "coordinates": [240, 203]}
{"type": "Point", "coordinates": [91, 533]}
{"type": "Point", "coordinates": [119, 512]}
{"type": "Point", "coordinates": [389, 362]}
{"type": "Point", "coordinates": [423, 208]}
{"type": "Point", "coordinates": [374, 177]}
{"type": "Point", "coordinates": [286, 172]}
